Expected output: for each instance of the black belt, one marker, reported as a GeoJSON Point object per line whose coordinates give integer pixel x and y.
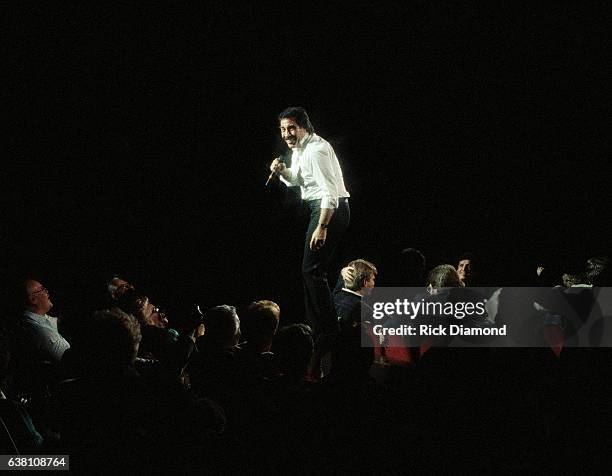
{"type": "Point", "coordinates": [340, 200]}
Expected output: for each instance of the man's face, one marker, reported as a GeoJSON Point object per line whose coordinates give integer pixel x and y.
{"type": "Point", "coordinates": [38, 296]}
{"type": "Point", "coordinates": [368, 284]}
{"type": "Point", "coordinates": [153, 316]}
{"type": "Point", "coordinates": [291, 132]}
{"type": "Point", "coordinates": [464, 269]}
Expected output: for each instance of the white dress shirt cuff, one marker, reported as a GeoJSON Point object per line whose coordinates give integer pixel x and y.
{"type": "Point", "coordinates": [329, 202]}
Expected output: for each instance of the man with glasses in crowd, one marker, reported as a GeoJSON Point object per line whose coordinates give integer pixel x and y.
{"type": "Point", "coordinates": [41, 337]}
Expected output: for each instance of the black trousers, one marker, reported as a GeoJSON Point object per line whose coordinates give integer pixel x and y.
{"type": "Point", "coordinates": [320, 311]}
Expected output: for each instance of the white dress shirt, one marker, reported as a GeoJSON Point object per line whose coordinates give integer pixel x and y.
{"type": "Point", "coordinates": [43, 336]}
{"type": "Point", "coordinates": [315, 168]}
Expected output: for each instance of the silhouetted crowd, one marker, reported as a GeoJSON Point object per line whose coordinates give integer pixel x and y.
{"type": "Point", "coordinates": [238, 390]}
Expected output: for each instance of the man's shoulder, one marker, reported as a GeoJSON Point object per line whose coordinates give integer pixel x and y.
{"type": "Point", "coordinates": [29, 319]}
{"type": "Point", "coordinates": [36, 319]}
{"type": "Point", "coordinates": [29, 331]}
{"type": "Point", "coordinates": [317, 143]}
{"type": "Point", "coordinates": [347, 297]}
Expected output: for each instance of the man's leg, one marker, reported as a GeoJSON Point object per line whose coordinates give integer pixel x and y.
{"type": "Point", "coordinates": [319, 306]}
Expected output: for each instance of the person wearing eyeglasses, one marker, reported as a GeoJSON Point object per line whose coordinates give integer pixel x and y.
{"type": "Point", "coordinates": [159, 342]}
{"type": "Point", "coordinates": [40, 334]}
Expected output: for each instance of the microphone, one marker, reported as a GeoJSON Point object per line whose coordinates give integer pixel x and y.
{"type": "Point", "coordinates": [273, 174]}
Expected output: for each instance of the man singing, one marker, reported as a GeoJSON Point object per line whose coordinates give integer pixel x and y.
{"type": "Point", "coordinates": [315, 168]}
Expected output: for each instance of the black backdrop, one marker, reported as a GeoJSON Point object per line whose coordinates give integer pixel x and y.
{"type": "Point", "coordinates": [139, 139]}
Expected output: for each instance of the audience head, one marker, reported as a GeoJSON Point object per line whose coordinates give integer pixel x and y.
{"type": "Point", "coordinates": [361, 276]}
{"type": "Point", "coordinates": [259, 323]}
{"type": "Point", "coordinates": [443, 276]}
{"type": "Point", "coordinates": [117, 287]}
{"type": "Point", "coordinates": [572, 279]}
{"type": "Point", "coordinates": [117, 337]}
{"type": "Point", "coordinates": [598, 271]}
{"type": "Point", "coordinates": [36, 297]}
{"type": "Point", "coordinates": [139, 306]}
{"type": "Point", "coordinates": [222, 327]}
{"type": "Point", "coordinates": [293, 349]}
{"type": "Point", "coordinates": [413, 265]}
{"type": "Point", "coordinates": [573, 273]}
{"type": "Point", "coordinates": [467, 268]}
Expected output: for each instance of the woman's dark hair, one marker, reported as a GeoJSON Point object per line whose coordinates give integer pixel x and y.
{"type": "Point", "coordinates": [117, 336]}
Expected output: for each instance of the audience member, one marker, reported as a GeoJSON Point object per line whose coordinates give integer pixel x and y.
{"type": "Point", "coordinates": [37, 347]}
{"type": "Point", "coordinates": [259, 323]}
{"type": "Point", "coordinates": [116, 414]}
{"type": "Point", "coordinates": [18, 433]}
{"type": "Point", "coordinates": [159, 342]}
{"type": "Point", "coordinates": [412, 268]}
{"type": "Point", "coordinates": [222, 329]}
{"type": "Point", "coordinates": [467, 269]}
{"type": "Point", "coordinates": [117, 287]}
{"type": "Point", "coordinates": [110, 416]}
{"type": "Point", "coordinates": [598, 271]}
{"type": "Point", "coordinates": [286, 410]}
{"type": "Point", "coordinates": [40, 336]}
{"type": "Point", "coordinates": [215, 369]}
{"type": "Point", "coordinates": [293, 347]}
{"type": "Point", "coordinates": [359, 276]}
{"type": "Point", "coordinates": [443, 276]}
{"type": "Point", "coordinates": [574, 275]}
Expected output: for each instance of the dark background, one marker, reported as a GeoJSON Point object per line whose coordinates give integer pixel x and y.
{"type": "Point", "coordinates": [140, 137]}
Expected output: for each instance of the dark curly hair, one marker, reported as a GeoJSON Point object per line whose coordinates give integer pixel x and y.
{"type": "Point", "coordinates": [300, 116]}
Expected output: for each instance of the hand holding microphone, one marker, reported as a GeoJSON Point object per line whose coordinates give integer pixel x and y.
{"type": "Point", "coordinates": [277, 166]}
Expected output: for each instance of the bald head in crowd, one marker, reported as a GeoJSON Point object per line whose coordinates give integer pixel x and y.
{"type": "Point", "coordinates": [37, 299]}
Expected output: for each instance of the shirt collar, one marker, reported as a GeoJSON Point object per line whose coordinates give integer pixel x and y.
{"type": "Point", "coordinates": [352, 292]}
{"type": "Point", "coordinates": [33, 315]}
{"type": "Point", "coordinates": [305, 140]}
